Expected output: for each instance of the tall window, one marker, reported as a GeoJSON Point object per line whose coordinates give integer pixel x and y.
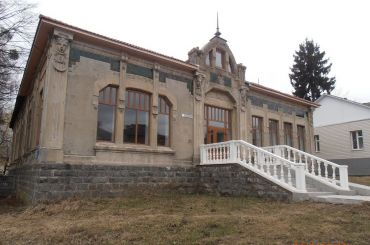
{"type": "Point", "coordinates": [230, 66]}
{"type": "Point", "coordinates": [136, 118]}
{"type": "Point", "coordinates": [106, 113]}
{"type": "Point", "coordinates": [301, 137]}
{"type": "Point", "coordinates": [163, 129]}
{"type": "Point", "coordinates": [274, 132]}
{"type": "Point", "coordinates": [288, 134]}
{"type": "Point", "coordinates": [357, 140]}
{"type": "Point", "coordinates": [209, 58]}
{"type": "Point", "coordinates": [220, 58]}
{"type": "Point", "coordinates": [316, 139]}
{"type": "Point", "coordinates": [257, 131]}
{"type": "Point", "coordinates": [217, 124]}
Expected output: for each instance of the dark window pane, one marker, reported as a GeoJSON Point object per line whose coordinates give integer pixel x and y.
{"type": "Point", "coordinates": [142, 127]}
{"type": "Point", "coordinates": [130, 126]}
{"type": "Point", "coordinates": [163, 130]}
{"type": "Point", "coordinates": [101, 96]}
{"type": "Point", "coordinates": [354, 140]}
{"type": "Point", "coordinates": [113, 95]}
{"type": "Point", "coordinates": [137, 100]}
{"type": "Point", "coordinates": [218, 59]}
{"type": "Point", "coordinates": [105, 122]}
{"type": "Point", "coordinates": [360, 143]}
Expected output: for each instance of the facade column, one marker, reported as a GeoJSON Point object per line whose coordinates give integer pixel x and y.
{"type": "Point", "coordinates": [242, 113]}
{"type": "Point", "coordinates": [154, 113]}
{"type": "Point", "coordinates": [52, 133]}
{"type": "Point", "coordinates": [121, 101]}
{"type": "Point", "coordinates": [198, 114]}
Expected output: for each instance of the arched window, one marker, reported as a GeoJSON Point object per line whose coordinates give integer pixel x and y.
{"type": "Point", "coordinates": [163, 128]}
{"type": "Point", "coordinates": [106, 113]}
{"type": "Point", "coordinates": [136, 117]}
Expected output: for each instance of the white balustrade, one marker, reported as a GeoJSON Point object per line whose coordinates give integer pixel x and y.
{"type": "Point", "coordinates": [316, 167]}
{"type": "Point", "coordinates": [272, 166]}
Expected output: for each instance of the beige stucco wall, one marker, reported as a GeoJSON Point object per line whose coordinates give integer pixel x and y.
{"type": "Point", "coordinates": [70, 108]}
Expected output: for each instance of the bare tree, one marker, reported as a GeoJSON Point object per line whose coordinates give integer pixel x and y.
{"type": "Point", "coordinates": [16, 22]}
{"type": "Point", "coordinates": [16, 26]}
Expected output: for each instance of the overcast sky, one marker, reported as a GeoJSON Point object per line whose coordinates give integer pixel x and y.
{"type": "Point", "coordinates": [262, 35]}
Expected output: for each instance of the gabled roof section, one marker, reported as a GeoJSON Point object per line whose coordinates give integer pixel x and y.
{"type": "Point", "coordinates": [280, 95]}
{"type": "Point", "coordinates": [363, 105]}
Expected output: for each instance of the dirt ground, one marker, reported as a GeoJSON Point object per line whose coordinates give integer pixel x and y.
{"type": "Point", "coordinates": [363, 180]}
{"type": "Point", "coordinates": [171, 218]}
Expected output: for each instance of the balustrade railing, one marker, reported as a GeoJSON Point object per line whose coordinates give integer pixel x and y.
{"type": "Point", "coordinates": [272, 166]}
{"type": "Point", "coordinates": [329, 172]}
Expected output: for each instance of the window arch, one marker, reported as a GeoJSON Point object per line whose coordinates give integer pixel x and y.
{"type": "Point", "coordinates": [136, 128]}
{"type": "Point", "coordinates": [106, 113]}
{"type": "Point", "coordinates": [163, 126]}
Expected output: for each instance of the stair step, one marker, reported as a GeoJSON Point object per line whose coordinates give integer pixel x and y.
{"type": "Point", "coordinates": [342, 199]}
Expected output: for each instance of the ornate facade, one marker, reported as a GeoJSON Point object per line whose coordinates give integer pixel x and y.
{"type": "Point", "coordinates": [90, 99]}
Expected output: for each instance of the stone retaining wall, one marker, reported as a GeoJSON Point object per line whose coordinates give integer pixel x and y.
{"type": "Point", "coordinates": [7, 186]}
{"type": "Point", "coordinates": [48, 181]}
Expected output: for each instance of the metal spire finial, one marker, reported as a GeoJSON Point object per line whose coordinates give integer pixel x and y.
{"type": "Point", "coordinates": [218, 33]}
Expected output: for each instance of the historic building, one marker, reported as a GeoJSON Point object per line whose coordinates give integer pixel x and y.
{"type": "Point", "coordinates": [86, 99]}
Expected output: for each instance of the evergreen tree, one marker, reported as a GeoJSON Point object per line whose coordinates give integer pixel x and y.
{"type": "Point", "coordinates": [310, 70]}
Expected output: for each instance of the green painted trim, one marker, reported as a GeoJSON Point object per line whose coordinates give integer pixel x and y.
{"type": "Point", "coordinates": [226, 80]}
{"type": "Point", "coordinates": [139, 70]}
{"type": "Point", "coordinates": [75, 54]}
{"type": "Point", "coordinates": [189, 82]}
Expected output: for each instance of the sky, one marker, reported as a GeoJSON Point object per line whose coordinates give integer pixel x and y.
{"type": "Point", "coordinates": [263, 34]}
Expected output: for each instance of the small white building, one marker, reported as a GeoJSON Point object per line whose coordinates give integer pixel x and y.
{"type": "Point", "coordinates": [342, 133]}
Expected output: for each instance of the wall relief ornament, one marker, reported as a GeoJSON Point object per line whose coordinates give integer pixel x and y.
{"type": "Point", "coordinates": [60, 54]}
{"type": "Point", "coordinates": [243, 95]}
{"type": "Point", "coordinates": [199, 84]}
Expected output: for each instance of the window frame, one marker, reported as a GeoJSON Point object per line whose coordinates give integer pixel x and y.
{"type": "Point", "coordinates": [276, 133]}
{"type": "Point", "coordinates": [109, 103]}
{"type": "Point", "coordinates": [291, 133]}
{"type": "Point", "coordinates": [356, 132]}
{"type": "Point", "coordinates": [223, 54]}
{"type": "Point", "coordinates": [303, 137]}
{"type": "Point", "coordinates": [160, 112]}
{"type": "Point", "coordinates": [316, 140]}
{"type": "Point", "coordinates": [254, 129]}
{"type": "Point", "coordinates": [136, 108]}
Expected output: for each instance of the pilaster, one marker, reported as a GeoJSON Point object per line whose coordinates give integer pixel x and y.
{"type": "Point", "coordinates": [54, 97]}
{"type": "Point", "coordinates": [198, 115]}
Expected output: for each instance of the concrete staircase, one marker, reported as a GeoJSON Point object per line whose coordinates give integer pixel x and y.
{"type": "Point", "coordinates": [319, 192]}
{"type": "Point", "coordinates": [306, 176]}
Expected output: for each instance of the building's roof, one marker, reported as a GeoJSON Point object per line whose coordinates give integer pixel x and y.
{"type": "Point", "coordinates": [364, 105]}
{"type": "Point", "coordinates": [45, 28]}
{"type": "Point", "coordinates": [275, 93]}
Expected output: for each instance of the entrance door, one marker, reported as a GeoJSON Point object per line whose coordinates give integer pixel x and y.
{"type": "Point", "coordinates": [218, 124]}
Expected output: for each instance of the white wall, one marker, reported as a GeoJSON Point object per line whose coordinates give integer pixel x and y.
{"type": "Point", "coordinates": [335, 140]}
{"type": "Point", "coordinates": [335, 110]}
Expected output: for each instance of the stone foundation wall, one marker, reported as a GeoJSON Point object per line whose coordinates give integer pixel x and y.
{"type": "Point", "coordinates": [7, 186]}
{"type": "Point", "coordinates": [235, 180]}
{"type": "Point", "coordinates": [47, 181]}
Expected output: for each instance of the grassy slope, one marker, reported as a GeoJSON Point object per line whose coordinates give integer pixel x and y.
{"type": "Point", "coordinates": [184, 219]}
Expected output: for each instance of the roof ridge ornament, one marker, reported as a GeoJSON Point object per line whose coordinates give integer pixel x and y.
{"type": "Point", "coordinates": [218, 33]}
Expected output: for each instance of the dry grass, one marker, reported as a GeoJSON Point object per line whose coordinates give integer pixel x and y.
{"type": "Point", "coordinates": [184, 219]}
{"type": "Point", "coordinates": [363, 180]}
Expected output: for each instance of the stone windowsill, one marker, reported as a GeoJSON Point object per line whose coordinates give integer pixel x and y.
{"type": "Point", "coordinates": [107, 146]}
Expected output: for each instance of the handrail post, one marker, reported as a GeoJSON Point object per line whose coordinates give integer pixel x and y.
{"type": "Point", "coordinates": [233, 151]}
{"type": "Point", "coordinates": [343, 175]}
{"type": "Point", "coordinates": [300, 177]}
{"type": "Point", "coordinates": [202, 154]}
